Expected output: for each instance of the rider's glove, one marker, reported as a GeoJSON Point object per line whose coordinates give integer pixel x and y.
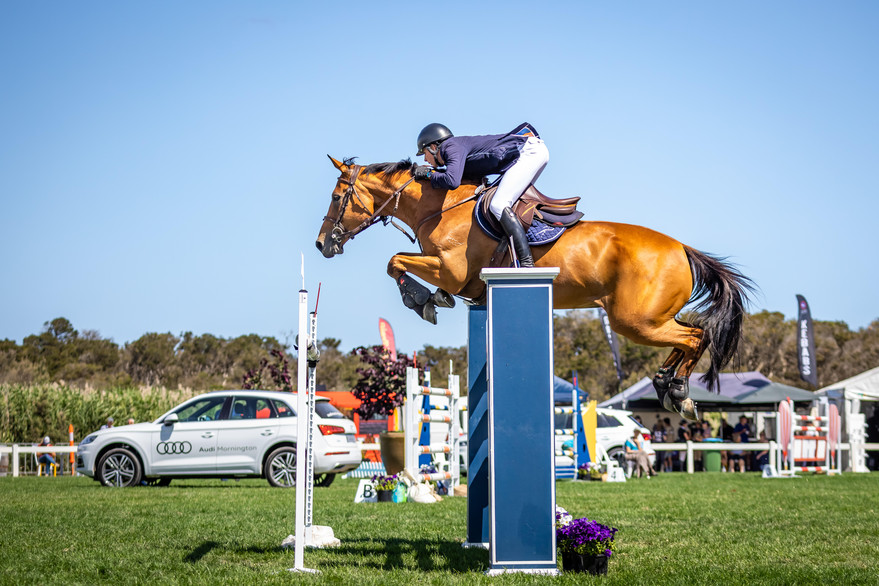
{"type": "Point", "coordinates": [423, 172]}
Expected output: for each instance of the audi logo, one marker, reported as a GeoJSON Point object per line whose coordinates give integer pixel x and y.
{"type": "Point", "coordinates": [174, 448]}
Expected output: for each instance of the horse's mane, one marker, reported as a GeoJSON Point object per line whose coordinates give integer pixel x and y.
{"type": "Point", "coordinates": [390, 169]}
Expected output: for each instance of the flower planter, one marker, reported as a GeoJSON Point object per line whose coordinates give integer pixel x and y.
{"type": "Point", "coordinates": [393, 447]}
{"type": "Point", "coordinates": [385, 496]}
{"type": "Point", "coordinates": [590, 564]}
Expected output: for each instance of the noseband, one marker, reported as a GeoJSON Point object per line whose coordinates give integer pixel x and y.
{"type": "Point", "coordinates": [339, 233]}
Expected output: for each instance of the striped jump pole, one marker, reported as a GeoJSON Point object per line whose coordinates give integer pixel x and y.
{"type": "Point", "coordinates": [809, 443]}
{"type": "Point", "coordinates": [418, 443]}
{"type": "Point", "coordinates": [521, 442]}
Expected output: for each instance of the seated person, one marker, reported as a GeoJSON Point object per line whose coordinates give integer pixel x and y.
{"type": "Point", "coordinates": [737, 457]}
{"type": "Point", "coordinates": [635, 452]}
{"type": "Point", "coordinates": [47, 459]}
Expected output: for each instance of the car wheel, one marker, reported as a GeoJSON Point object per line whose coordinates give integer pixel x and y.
{"type": "Point", "coordinates": [324, 479]}
{"type": "Point", "coordinates": [119, 467]}
{"type": "Point", "coordinates": [281, 467]}
{"type": "Point", "coordinates": [618, 454]}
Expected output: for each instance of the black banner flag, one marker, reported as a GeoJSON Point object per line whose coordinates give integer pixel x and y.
{"type": "Point", "coordinates": [806, 343]}
{"type": "Point", "coordinates": [612, 340]}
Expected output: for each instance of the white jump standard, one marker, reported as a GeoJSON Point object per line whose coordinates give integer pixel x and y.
{"type": "Point", "coordinates": [414, 417]}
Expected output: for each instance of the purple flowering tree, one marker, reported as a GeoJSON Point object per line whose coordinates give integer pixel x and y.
{"type": "Point", "coordinates": [270, 376]}
{"type": "Point", "coordinates": [382, 384]}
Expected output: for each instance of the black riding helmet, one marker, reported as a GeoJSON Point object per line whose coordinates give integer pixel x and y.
{"type": "Point", "coordinates": [432, 133]}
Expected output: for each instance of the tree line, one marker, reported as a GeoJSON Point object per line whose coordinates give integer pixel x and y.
{"type": "Point", "coordinates": [61, 354]}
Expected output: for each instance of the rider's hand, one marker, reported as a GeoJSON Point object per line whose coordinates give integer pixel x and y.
{"type": "Point", "coordinates": [423, 172]}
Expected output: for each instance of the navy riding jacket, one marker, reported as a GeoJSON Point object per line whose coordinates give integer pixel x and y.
{"type": "Point", "coordinates": [474, 157]}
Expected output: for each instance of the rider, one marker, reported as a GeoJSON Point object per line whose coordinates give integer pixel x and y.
{"type": "Point", "coordinates": [519, 155]}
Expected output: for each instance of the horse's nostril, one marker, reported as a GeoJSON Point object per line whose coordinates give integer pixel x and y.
{"type": "Point", "coordinates": [318, 244]}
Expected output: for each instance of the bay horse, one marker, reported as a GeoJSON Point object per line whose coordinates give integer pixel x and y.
{"type": "Point", "coordinates": [641, 278]}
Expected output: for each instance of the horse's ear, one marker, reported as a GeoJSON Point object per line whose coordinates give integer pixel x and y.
{"type": "Point", "coordinates": [337, 164]}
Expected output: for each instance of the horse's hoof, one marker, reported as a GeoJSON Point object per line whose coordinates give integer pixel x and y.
{"type": "Point", "coordinates": [686, 408]}
{"type": "Point", "coordinates": [679, 389]}
{"type": "Point", "coordinates": [443, 299]}
{"type": "Point", "coordinates": [689, 411]}
{"type": "Point", "coordinates": [427, 312]}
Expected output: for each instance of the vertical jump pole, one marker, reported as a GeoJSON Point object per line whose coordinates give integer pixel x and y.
{"type": "Point", "coordinates": [521, 442]}
{"type": "Point", "coordinates": [304, 432]}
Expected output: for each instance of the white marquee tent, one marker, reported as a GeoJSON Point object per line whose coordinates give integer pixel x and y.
{"type": "Point", "coordinates": [864, 386]}
{"type": "Point", "coordinates": [850, 392]}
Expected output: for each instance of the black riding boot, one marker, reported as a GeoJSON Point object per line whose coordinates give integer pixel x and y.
{"type": "Point", "coordinates": [514, 229]}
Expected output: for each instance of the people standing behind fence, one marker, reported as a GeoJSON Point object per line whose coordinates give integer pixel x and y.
{"type": "Point", "coordinates": [683, 437]}
{"type": "Point", "coordinates": [696, 434]}
{"type": "Point", "coordinates": [706, 429]}
{"type": "Point", "coordinates": [668, 457]}
{"type": "Point", "coordinates": [762, 457]}
{"type": "Point", "coordinates": [737, 457]}
{"type": "Point", "coordinates": [47, 459]}
{"type": "Point", "coordinates": [109, 423]}
{"type": "Point", "coordinates": [658, 430]}
{"type": "Point", "coordinates": [724, 432]}
{"type": "Point", "coordinates": [743, 427]}
{"type": "Point", "coordinates": [635, 453]}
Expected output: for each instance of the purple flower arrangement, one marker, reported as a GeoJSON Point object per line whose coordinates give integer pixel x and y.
{"type": "Point", "coordinates": [382, 482]}
{"type": "Point", "coordinates": [585, 537]}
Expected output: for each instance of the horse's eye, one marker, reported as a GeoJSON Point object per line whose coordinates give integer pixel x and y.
{"type": "Point", "coordinates": [336, 197]}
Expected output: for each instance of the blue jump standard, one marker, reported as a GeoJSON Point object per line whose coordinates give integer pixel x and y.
{"type": "Point", "coordinates": [519, 420]}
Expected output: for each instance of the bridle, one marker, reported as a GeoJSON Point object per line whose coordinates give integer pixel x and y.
{"type": "Point", "coordinates": [338, 233]}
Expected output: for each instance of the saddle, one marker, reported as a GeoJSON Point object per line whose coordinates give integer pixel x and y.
{"type": "Point", "coordinates": [544, 219]}
{"type": "Point", "coordinates": [532, 205]}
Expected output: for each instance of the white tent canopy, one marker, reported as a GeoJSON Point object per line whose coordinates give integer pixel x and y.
{"type": "Point", "coordinates": [863, 386]}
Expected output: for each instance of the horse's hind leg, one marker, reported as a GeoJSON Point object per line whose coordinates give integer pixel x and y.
{"type": "Point", "coordinates": [671, 382]}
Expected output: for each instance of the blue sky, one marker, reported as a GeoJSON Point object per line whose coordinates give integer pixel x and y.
{"type": "Point", "coordinates": [163, 165]}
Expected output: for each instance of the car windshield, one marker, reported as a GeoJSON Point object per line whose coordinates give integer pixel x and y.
{"type": "Point", "coordinates": [207, 409]}
{"type": "Point", "coordinates": [325, 410]}
{"type": "Point", "coordinates": [608, 421]}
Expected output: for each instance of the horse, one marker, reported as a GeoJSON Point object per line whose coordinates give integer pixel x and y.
{"type": "Point", "coordinates": [641, 278]}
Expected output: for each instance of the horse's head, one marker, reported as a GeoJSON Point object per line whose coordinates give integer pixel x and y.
{"type": "Point", "coordinates": [347, 210]}
{"type": "Point", "coordinates": [354, 206]}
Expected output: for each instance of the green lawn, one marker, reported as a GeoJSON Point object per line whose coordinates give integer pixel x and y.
{"type": "Point", "coordinates": [676, 528]}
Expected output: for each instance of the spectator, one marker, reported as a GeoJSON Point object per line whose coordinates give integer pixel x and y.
{"type": "Point", "coordinates": [743, 427]}
{"type": "Point", "coordinates": [658, 430]}
{"type": "Point", "coordinates": [737, 457]}
{"type": "Point", "coordinates": [130, 420]}
{"type": "Point", "coordinates": [725, 433]}
{"type": "Point", "coordinates": [109, 423]}
{"type": "Point", "coordinates": [47, 459]}
{"type": "Point", "coordinates": [697, 454]}
{"type": "Point", "coordinates": [668, 457]}
{"type": "Point", "coordinates": [683, 437]}
{"type": "Point", "coordinates": [635, 452]}
{"type": "Point", "coordinates": [706, 429]}
{"type": "Point", "coordinates": [763, 455]}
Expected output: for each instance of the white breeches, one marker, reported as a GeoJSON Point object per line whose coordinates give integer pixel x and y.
{"type": "Point", "coordinates": [532, 159]}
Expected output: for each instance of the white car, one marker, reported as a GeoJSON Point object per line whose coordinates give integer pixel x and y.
{"type": "Point", "coordinates": [614, 427]}
{"type": "Point", "coordinates": [221, 434]}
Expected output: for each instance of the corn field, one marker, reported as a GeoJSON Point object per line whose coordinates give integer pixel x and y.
{"type": "Point", "coordinates": [29, 412]}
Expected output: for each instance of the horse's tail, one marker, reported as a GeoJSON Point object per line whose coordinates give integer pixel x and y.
{"type": "Point", "coordinates": [721, 293]}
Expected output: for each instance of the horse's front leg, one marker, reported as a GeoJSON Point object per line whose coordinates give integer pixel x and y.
{"type": "Point", "coordinates": [415, 295]}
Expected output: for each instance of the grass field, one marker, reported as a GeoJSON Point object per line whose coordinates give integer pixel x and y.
{"type": "Point", "coordinates": [674, 529]}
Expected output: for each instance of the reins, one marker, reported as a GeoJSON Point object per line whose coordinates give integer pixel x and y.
{"type": "Point", "coordinates": [339, 233]}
